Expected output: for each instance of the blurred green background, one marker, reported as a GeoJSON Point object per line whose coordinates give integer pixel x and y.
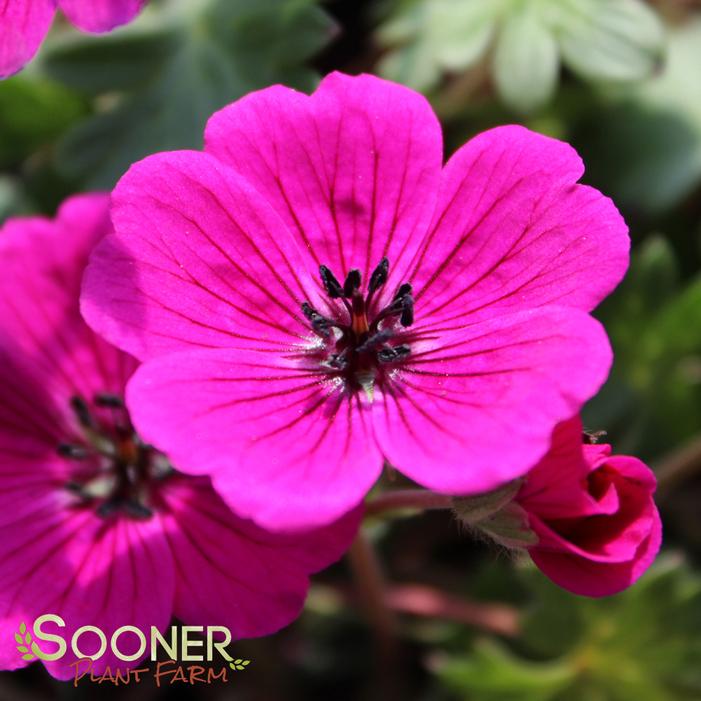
{"type": "Point", "coordinates": [621, 81]}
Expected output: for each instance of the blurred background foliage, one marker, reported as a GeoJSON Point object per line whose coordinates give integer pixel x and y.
{"type": "Point", "coordinates": [620, 80]}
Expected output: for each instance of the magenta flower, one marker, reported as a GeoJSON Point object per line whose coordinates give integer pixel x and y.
{"type": "Point", "coordinates": [24, 24]}
{"type": "Point", "coordinates": [315, 295]}
{"type": "Point", "coordinates": [596, 523]}
{"type": "Point", "coordinates": [95, 525]}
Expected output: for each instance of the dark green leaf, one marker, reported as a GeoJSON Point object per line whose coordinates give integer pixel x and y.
{"type": "Point", "coordinates": [210, 54]}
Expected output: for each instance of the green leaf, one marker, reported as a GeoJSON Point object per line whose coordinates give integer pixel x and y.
{"type": "Point", "coordinates": [28, 656]}
{"type": "Point", "coordinates": [33, 112]}
{"type": "Point", "coordinates": [653, 397]}
{"type": "Point", "coordinates": [19, 638]}
{"type": "Point", "coordinates": [22, 628]}
{"type": "Point", "coordinates": [601, 40]}
{"type": "Point", "coordinates": [611, 40]}
{"type": "Point", "coordinates": [427, 38]}
{"type": "Point", "coordinates": [207, 54]}
{"type": "Point", "coordinates": [492, 673]}
{"type": "Point", "coordinates": [121, 60]}
{"type": "Point", "coordinates": [642, 644]}
{"type": "Point", "coordinates": [526, 61]}
{"type": "Point", "coordinates": [646, 148]}
{"type": "Point", "coordinates": [22, 648]}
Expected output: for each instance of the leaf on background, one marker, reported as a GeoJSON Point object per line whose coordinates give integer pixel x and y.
{"type": "Point", "coordinates": [526, 62]}
{"type": "Point", "coordinates": [176, 73]}
{"type": "Point", "coordinates": [646, 148]}
{"type": "Point", "coordinates": [13, 199]}
{"type": "Point", "coordinates": [600, 40]}
{"type": "Point", "coordinates": [577, 649]}
{"type": "Point", "coordinates": [25, 102]}
{"type": "Point", "coordinates": [609, 40]}
{"type": "Point", "coordinates": [653, 397]}
{"type": "Point", "coordinates": [492, 673]}
{"type": "Point", "coordinates": [430, 37]}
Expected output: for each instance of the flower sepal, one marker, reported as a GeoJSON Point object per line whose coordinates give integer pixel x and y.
{"type": "Point", "coordinates": [495, 515]}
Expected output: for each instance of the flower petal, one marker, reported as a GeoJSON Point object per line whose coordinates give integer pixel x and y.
{"type": "Point", "coordinates": [198, 259]}
{"type": "Point", "coordinates": [587, 577]}
{"type": "Point", "coordinates": [353, 170]}
{"type": "Point", "coordinates": [512, 231]}
{"type": "Point", "coordinates": [100, 15]}
{"type": "Point", "coordinates": [43, 262]}
{"type": "Point", "coordinates": [32, 425]}
{"type": "Point", "coordinates": [235, 574]}
{"type": "Point", "coordinates": [23, 26]}
{"type": "Point", "coordinates": [556, 486]}
{"type": "Point", "coordinates": [284, 446]}
{"type": "Point", "coordinates": [479, 408]}
{"type": "Point", "coordinates": [609, 537]}
{"type": "Point", "coordinates": [90, 572]}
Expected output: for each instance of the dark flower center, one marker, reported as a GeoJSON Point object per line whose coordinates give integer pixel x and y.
{"type": "Point", "coordinates": [366, 343]}
{"type": "Point", "coordinates": [115, 471]}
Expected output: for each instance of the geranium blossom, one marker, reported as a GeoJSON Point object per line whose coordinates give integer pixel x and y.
{"type": "Point", "coordinates": [95, 525]}
{"type": "Point", "coordinates": [24, 24]}
{"type": "Point", "coordinates": [314, 295]}
{"type": "Point", "coordinates": [597, 525]}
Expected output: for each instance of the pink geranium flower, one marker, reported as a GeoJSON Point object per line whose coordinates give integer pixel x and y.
{"type": "Point", "coordinates": [315, 295]}
{"type": "Point", "coordinates": [24, 24]}
{"type": "Point", "coordinates": [593, 514]}
{"type": "Point", "coordinates": [95, 525]}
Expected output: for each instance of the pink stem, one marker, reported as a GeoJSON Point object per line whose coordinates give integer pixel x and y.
{"type": "Point", "coordinates": [421, 600]}
{"type": "Point", "coordinates": [399, 499]}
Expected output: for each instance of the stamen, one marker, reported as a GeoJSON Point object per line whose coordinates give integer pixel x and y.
{"type": "Point", "coordinates": [82, 412]}
{"type": "Point", "coordinates": [137, 510]}
{"type": "Point", "coordinates": [404, 289]}
{"type": "Point", "coordinates": [388, 355]}
{"type": "Point", "coordinates": [407, 317]}
{"type": "Point", "coordinates": [73, 452]}
{"type": "Point", "coordinates": [111, 401]}
{"type": "Point", "coordinates": [362, 346]}
{"type": "Point", "coordinates": [379, 276]}
{"type": "Point", "coordinates": [352, 283]}
{"type": "Point", "coordinates": [375, 341]}
{"type": "Point", "coordinates": [320, 324]}
{"type": "Point", "coordinates": [339, 361]}
{"type": "Point", "coordinates": [331, 284]}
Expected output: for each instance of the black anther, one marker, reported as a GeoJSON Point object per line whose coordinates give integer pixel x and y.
{"type": "Point", "coordinates": [332, 285]}
{"type": "Point", "coordinates": [353, 280]}
{"type": "Point", "coordinates": [82, 412]}
{"type": "Point", "coordinates": [407, 317]}
{"type": "Point", "coordinates": [404, 289]}
{"type": "Point", "coordinates": [74, 452]}
{"type": "Point", "coordinates": [388, 355]}
{"type": "Point", "coordinates": [319, 323]}
{"type": "Point", "coordinates": [375, 341]}
{"type": "Point", "coordinates": [111, 401]}
{"type": "Point", "coordinates": [379, 275]}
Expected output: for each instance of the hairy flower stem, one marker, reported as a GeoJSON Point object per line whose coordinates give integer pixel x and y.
{"type": "Point", "coordinates": [401, 499]}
